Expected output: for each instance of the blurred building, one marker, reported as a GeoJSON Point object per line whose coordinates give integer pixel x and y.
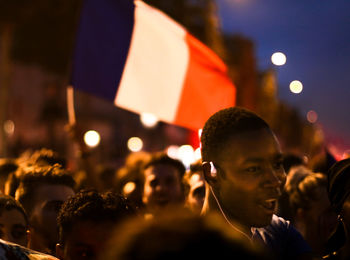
{"type": "Point", "coordinates": [38, 79]}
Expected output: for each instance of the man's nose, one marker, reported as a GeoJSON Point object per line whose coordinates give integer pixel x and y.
{"type": "Point", "coordinates": [275, 178]}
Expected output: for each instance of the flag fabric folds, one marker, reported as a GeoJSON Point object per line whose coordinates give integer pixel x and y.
{"type": "Point", "coordinates": [139, 58]}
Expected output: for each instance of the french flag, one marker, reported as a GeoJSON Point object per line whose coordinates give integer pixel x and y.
{"type": "Point", "coordinates": [141, 60]}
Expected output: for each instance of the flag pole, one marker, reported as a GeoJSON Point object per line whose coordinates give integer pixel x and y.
{"type": "Point", "coordinates": [70, 105]}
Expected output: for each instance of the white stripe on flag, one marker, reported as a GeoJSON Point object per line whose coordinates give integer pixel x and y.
{"type": "Point", "coordinates": [156, 66]}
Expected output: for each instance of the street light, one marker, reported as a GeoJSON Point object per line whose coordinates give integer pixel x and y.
{"type": "Point", "coordinates": [278, 58]}
{"type": "Point", "coordinates": [296, 86]}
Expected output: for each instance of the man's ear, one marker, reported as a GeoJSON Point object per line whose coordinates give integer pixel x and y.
{"type": "Point", "coordinates": [59, 251]}
{"type": "Point", "coordinates": [209, 173]}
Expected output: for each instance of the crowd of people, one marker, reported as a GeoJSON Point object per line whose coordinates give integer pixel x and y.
{"type": "Point", "coordinates": [243, 199]}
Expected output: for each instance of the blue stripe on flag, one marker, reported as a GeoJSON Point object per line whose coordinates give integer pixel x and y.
{"type": "Point", "coordinates": [102, 45]}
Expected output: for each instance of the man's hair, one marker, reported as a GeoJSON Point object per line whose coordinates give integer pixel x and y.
{"type": "Point", "coordinates": [34, 176]}
{"type": "Point", "coordinates": [7, 166]}
{"type": "Point", "coordinates": [176, 234]}
{"type": "Point", "coordinates": [163, 158]}
{"type": "Point", "coordinates": [47, 157]}
{"type": "Point", "coordinates": [90, 205]}
{"type": "Point", "coordinates": [8, 203]}
{"type": "Point", "coordinates": [225, 124]}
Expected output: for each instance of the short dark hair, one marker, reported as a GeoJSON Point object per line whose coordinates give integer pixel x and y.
{"type": "Point", "coordinates": [7, 166]}
{"type": "Point", "coordinates": [223, 125]}
{"type": "Point", "coordinates": [8, 203]}
{"type": "Point", "coordinates": [163, 158]}
{"type": "Point", "coordinates": [90, 205]}
{"type": "Point", "coordinates": [34, 176]}
{"type": "Point", "coordinates": [176, 234]}
{"type": "Point", "coordinates": [46, 156]}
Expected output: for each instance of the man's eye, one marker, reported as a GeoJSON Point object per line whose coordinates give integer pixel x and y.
{"type": "Point", "coordinates": [278, 165]}
{"type": "Point", "coordinates": [18, 231]}
{"type": "Point", "coordinates": [253, 169]}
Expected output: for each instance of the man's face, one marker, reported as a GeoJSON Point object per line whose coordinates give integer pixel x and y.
{"type": "Point", "coordinates": [251, 178]}
{"type": "Point", "coordinates": [13, 227]}
{"type": "Point", "coordinates": [86, 240]}
{"type": "Point", "coordinates": [48, 200]}
{"type": "Point", "coordinates": [162, 186]}
{"type": "Point", "coordinates": [196, 195]}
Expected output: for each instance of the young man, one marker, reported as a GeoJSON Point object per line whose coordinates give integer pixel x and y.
{"type": "Point", "coordinates": [194, 185]}
{"type": "Point", "coordinates": [42, 191]}
{"type": "Point", "coordinates": [85, 223]}
{"type": "Point", "coordinates": [162, 183]}
{"type": "Point", "coordinates": [242, 164]}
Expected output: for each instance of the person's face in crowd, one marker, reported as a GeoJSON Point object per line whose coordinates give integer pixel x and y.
{"type": "Point", "coordinates": [13, 227]}
{"type": "Point", "coordinates": [196, 195]}
{"type": "Point", "coordinates": [251, 177]}
{"type": "Point", "coordinates": [85, 241]}
{"type": "Point", "coordinates": [345, 213]}
{"type": "Point", "coordinates": [48, 200]}
{"type": "Point", "coordinates": [162, 186]}
{"type": "Point", "coordinates": [320, 220]}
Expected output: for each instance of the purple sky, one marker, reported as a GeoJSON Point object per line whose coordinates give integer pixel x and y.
{"type": "Point", "coordinates": [315, 36]}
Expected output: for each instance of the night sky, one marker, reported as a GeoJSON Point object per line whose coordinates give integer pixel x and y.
{"type": "Point", "coordinates": [315, 37]}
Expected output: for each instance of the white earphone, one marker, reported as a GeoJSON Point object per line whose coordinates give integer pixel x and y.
{"type": "Point", "coordinates": [213, 171]}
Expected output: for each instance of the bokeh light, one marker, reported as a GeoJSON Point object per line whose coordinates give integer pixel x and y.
{"type": "Point", "coordinates": [172, 151]}
{"type": "Point", "coordinates": [148, 120]}
{"type": "Point", "coordinates": [92, 138]}
{"type": "Point", "coordinates": [186, 154]}
{"type": "Point", "coordinates": [129, 188]}
{"type": "Point", "coordinates": [200, 133]}
{"type": "Point", "coordinates": [346, 154]}
{"type": "Point", "coordinates": [312, 116]}
{"type": "Point", "coordinates": [278, 58]}
{"type": "Point", "coordinates": [197, 154]}
{"type": "Point", "coordinates": [135, 144]}
{"type": "Point", "coordinates": [296, 86]}
{"type": "Point", "coordinates": [9, 127]}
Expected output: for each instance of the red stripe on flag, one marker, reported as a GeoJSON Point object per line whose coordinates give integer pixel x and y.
{"type": "Point", "coordinates": [207, 88]}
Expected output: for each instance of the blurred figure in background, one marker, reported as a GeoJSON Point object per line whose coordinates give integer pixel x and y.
{"type": "Point", "coordinates": [194, 187]}
{"type": "Point", "coordinates": [40, 157]}
{"type": "Point", "coordinates": [129, 180]}
{"type": "Point", "coordinates": [294, 176]}
{"type": "Point", "coordinates": [42, 191]}
{"type": "Point", "coordinates": [338, 246]}
{"type": "Point", "coordinates": [13, 221]}
{"type": "Point", "coordinates": [162, 183]}
{"type": "Point", "coordinates": [7, 166]}
{"type": "Point", "coordinates": [85, 222]}
{"type": "Point", "coordinates": [291, 160]}
{"type": "Point", "coordinates": [106, 177]}
{"type": "Point", "coordinates": [310, 208]}
{"type": "Point", "coordinates": [46, 157]}
{"type": "Point", "coordinates": [176, 234]}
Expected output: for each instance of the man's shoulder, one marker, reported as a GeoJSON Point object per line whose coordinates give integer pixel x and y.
{"type": "Point", "coordinates": [16, 252]}
{"type": "Point", "coordinates": [281, 237]}
{"type": "Point", "coordinates": [277, 227]}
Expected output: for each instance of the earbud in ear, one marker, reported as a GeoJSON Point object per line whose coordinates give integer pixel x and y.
{"type": "Point", "coordinates": [213, 171]}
